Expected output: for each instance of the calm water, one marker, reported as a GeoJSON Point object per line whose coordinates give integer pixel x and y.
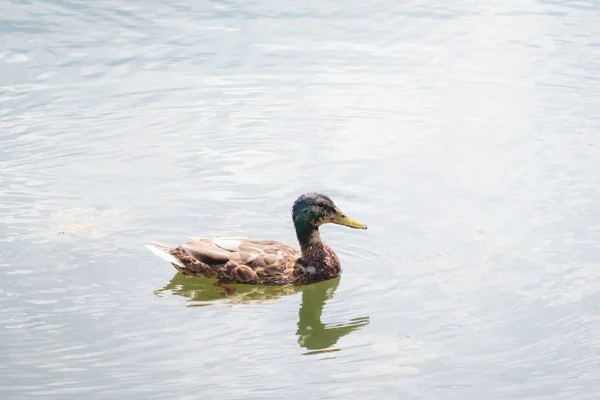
{"type": "Point", "coordinates": [466, 135]}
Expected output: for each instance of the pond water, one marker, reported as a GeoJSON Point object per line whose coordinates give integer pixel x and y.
{"type": "Point", "coordinates": [464, 134]}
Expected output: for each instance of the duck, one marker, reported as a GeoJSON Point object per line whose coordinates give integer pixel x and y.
{"type": "Point", "coordinates": [241, 260]}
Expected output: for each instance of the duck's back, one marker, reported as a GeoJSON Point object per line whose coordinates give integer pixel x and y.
{"type": "Point", "coordinates": [233, 259]}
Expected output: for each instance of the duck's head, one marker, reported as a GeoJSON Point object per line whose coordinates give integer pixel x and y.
{"type": "Point", "coordinates": [315, 209]}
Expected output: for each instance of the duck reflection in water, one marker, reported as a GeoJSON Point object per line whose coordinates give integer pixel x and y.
{"type": "Point", "coordinates": [313, 334]}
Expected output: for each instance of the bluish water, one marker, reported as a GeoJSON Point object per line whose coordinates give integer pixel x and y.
{"type": "Point", "coordinates": [464, 134]}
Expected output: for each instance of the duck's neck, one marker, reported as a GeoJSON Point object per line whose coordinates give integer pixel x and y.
{"type": "Point", "coordinates": [309, 239]}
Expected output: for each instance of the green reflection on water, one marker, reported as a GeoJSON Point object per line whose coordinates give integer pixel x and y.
{"type": "Point", "coordinates": [313, 334]}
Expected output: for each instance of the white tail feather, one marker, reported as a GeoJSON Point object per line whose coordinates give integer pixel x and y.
{"type": "Point", "coordinates": [164, 255]}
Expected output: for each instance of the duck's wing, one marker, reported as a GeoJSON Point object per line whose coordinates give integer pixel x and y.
{"type": "Point", "coordinates": [235, 259]}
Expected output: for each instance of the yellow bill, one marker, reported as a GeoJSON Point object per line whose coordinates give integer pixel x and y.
{"type": "Point", "coordinates": [341, 219]}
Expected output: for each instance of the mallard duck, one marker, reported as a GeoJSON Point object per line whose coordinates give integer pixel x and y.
{"type": "Point", "coordinates": [266, 262]}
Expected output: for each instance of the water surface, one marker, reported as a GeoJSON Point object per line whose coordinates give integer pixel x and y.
{"type": "Point", "coordinates": [465, 135]}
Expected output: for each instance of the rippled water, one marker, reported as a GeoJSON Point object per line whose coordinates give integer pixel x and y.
{"type": "Point", "coordinates": [465, 134]}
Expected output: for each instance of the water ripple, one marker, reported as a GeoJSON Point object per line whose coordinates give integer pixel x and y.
{"type": "Point", "coordinates": [463, 134]}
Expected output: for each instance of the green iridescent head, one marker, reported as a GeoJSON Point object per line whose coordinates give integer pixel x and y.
{"type": "Point", "coordinates": [312, 210]}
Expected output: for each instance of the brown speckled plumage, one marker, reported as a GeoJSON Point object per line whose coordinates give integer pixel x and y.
{"type": "Point", "coordinates": [268, 262]}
